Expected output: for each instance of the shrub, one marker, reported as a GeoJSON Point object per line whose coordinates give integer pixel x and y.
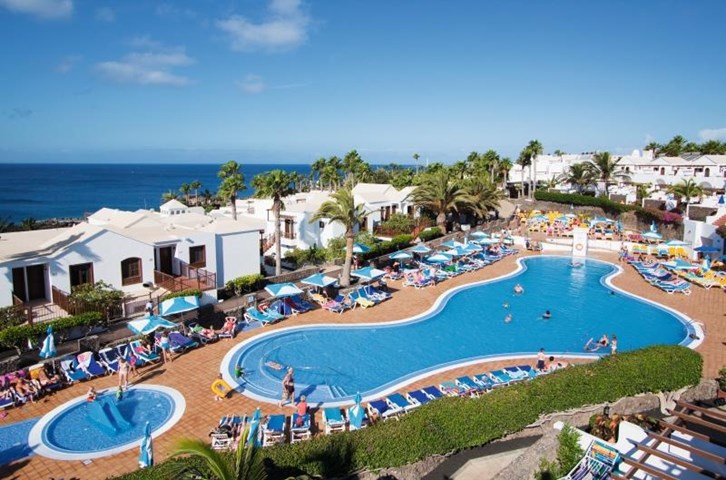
{"type": "Point", "coordinates": [568, 454]}
{"type": "Point", "coordinates": [313, 255]}
{"type": "Point", "coordinates": [183, 293]}
{"type": "Point", "coordinates": [430, 234]}
{"type": "Point", "coordinates": [17, 337]}
{"type": "Point", "coordinates": [97, 297]}
{"type": "Point", "coordinates": [397, 223]}
{"type": "Point", "coordinates": [453, 424]}
{"type": "Point", "coordinates": [335, 249]}
{"type": "Point", "coordinates": [11, 317]}
{"type": "Point", "coordinates": [246, 283]}
{"type": "Point", "coordinates": [722, 379]}
{"type": "Point", "coordinates": [583, 200]}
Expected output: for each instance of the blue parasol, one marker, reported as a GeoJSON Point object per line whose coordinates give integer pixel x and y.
{"type": "Point", "coordinates": [400, 256]}
{"type": "Point", "coordinates": [421, 249]}
{"type": "Point", "coordinates": [150, 324]}
{"type": "Point", "coordinates": [368, 273]}
{"type": "Point", "coordinates": [283, 290]}
{"type": "Point", "coordinates": [146, 450]}
{"type": "Point", "coordinates": [361, 248]}
{"type": "Point", "coordinates": [253, 433]}
{"type": "Point", "coordinates": [179, 305]}
{"type": "Point", "coordinates": [356, 414]}
{"type": "Point", "coordinates": [318, 280]}
{"type": "Point", "coordinates": [48, 349]}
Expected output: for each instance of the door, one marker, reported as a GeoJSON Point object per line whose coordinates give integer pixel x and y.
{"type": "Point", "coordinates": [36, 282]}
{"type": "Point", "coordinates": [165, 256]}
{"type": "Point", "coordinates": [19, 283]}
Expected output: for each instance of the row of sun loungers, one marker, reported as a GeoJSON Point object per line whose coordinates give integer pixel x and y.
{"type": "Point", "coordinates": [273, 430]}
{"type": "Point", "coordinates": [659, 276]}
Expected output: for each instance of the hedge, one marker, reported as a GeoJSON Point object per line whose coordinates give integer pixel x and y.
{"type": "Point", "coordinates": [246, 283]}
{"type": "Point", "coordinates": [430, 234]}
{"type": "Point", "coordinates": [453, 424]}
{"type": "Point", "coordinates": [17, 337]}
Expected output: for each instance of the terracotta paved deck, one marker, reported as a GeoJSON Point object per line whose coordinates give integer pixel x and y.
{"type": "Point", "coordinates": [192, 373]}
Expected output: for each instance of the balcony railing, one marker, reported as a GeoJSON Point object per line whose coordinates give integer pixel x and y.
{"type": "Point", "coordinates": [190, 278]}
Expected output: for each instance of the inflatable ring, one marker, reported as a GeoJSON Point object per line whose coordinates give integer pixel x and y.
{"type": "Point", "coordinates": [221, 388]}
{"type": "Point", "coordinates": [578, 246]}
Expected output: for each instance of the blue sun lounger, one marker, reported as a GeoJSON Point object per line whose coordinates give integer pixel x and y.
{"type": "Point", "coordinates": [418, 397]}
{"type": "Point", "coordinates": [500, 378]}
{"type": "Point", "coordinates": [516, 373]}
{"type": "Point", "coordinates": [451, 389]}
{"type": "Point", "coordinates": [484, 381]}
{"type": "Point", "coordinates": [398, 401]}
{"type": "Point", "coordinates": [383, 409]}
{"type": "Point", "coordinates": [300, 428]}
{"type": "Point", "coordinates": [468, 384]}
{"type": "Point", "coordinates": [109, 357]}
{"type": "Point", "coordinates": [333, 420]}
{"type": "Point", "coordinates": [68, 368]}
{"type": "Point", "coordinates": [252, 314]}
{"type": "Point", "coordinates": [142, 355]}
{"type": "Point", "coordinates": [531, 372]}
{"type": "Point", "coordinates": [433, 392]}
{"type": "Point", "coordinates": [273, 432]}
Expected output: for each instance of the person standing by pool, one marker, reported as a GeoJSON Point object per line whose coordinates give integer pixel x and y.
{"type": "Point", "coordinates": [165, 347]}
{"type": "Point", "coordinates": [288, 387]}
{"type": "Point", "coordinates": [614, 346]}
{"type": "Point", "coordinates": [541, 358]}
{"type": "Point", "coordinates": [123, 373]}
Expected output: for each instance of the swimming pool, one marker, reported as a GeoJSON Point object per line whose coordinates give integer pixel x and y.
{"type": "Point", "coordinates": [466, 325]}
{"type": "Point", "coordinates": [66, 433]}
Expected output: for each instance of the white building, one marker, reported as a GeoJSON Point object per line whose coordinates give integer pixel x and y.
{"type": "Point", "coordinates": [178, 247]}
{"type": "Point", "coordinates": [297, 231]}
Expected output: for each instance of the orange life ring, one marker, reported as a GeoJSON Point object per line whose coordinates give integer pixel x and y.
{"type": "Point", "coordinates": [578, 246]}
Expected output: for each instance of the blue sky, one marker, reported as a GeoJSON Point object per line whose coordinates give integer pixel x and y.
{"type": "Point", "coordinates": [288, 81]}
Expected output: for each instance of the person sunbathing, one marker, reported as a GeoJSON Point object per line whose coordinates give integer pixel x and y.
{"type": "Point", "coordinates": [591, 346]}
{"type": "Point", "coordinates": [230, 325]}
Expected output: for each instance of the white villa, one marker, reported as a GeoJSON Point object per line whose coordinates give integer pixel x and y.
{"type": "Point", "coordinates": [175, 249]}
{"type": "Point", "coordinates": [381, 200]}
{"type": "Point", "coordinates": [709, 171]}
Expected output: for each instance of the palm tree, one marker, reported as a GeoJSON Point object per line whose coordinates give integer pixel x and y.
{"type": "Point", "coordinates": [605, 169]}
{"type": "Point", "coordinates": [416, 156]}
{"type": "Point", "coordinates": [317, 168]}
{"type": "Point", "coordinates": [505, 165]}
{"type": "Point", "coordinates": [686, 190]}
{"type": "Point", "coordinates": [580, 175]}
{"type": "Point", "coordinates": [524, 160]}
{"type": "Point", "coordinates": [653, 147]}
{"type": "Point", "coordinates": [355, 168]}
{"type": "Point", "coordinates": [559, 153]}
{"type": "Point", "coordinates": [196, 185]}
{"type": "Point", "coordinates": [170, 195]}
{"type": "Point", "coordinates": [245, 464]}
{"type": "Point", "coordinates": [207, 196]}
{"type": "Point", "coordinates": [184, 190]}
{"type": "Point", "coordinates": [713, 147]}
{"type": "Point", "coordinates": [482, 195]}
{"type": "Point", "coordinates": [534, 148]}
{"type": "Point", "coordinates": [275, 184]}
{"type": "Point", "coordinates": [29, 223]}
{"type": "Point", "coordinates": [342, 209]}
{"type": "Point", "coordinates": [331, 173]}
{"type": "Point", "coordinates": [675, 147]}
{"type": "Point", "coordinates": [552, 182]}
{"type": "Point", "coordinates": [642, 190]}
{"type": "Point", "coordinates": [233, 181]}
{"type": "Point", "coordinates": [441, 194]}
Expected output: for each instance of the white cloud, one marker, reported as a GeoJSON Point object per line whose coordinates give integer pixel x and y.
{"type": "Point", "coordinates": [285, 29]}
{"type": "Point", "coordinates": [252, 84]}
{"type": "Point", "coordinates": [47, 9]}
{"type": "Point", "coordinates": [169, 11]}
{"type": "Point", "coordinates": [713, 134]}
{"type": "Point", "coordinates": [151, 67]}
{"type": "Point", "coordinates": [67, 64]}
{"type": "Point", "coordinates": [105, 14]}
{"type": "Point", "coordinates": [144, 41]}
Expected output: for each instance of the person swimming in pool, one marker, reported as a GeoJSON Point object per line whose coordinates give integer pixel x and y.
{"type": "Point", "coordinates": [518, 289]}
{"type": "Point", "coordinates": [508, 318]}
{"type": "Point", "coordinates": [547, 314]}
{"type": "Point", "coordinates": [505, 305]}
{"type": "Point", "coordinates": [591, 346]}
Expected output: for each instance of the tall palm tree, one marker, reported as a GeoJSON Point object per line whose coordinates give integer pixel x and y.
{"type": "Point", "coordinates": [416, 156]}
{"type": "Point", "coordinates": [207, 196]}
{"type": "Point", "coordinates": [245, 464]}
{"type": "Point", "coordinates": [354, 167]}
{"type": "Point", "coordinates": [534, 148]}
{"type": "Point", "coordinates": [713, 147]}
{"type": "Point", "coordinates": [675, 147]}
{"type": "Point", "coordinates": [184, 190]}
{"type": "Point", "coordinates": [170, 195]}
{"type": "Point", "coordinates": [605, 168]}
{"type": "Point", "coordinates": [441, 194]}
{"type": "Point", "coordinates": [331, 173]}
{"type": "Point", "coordinates": [686, 190]}
{"type": "Point", "coordinates": [505, 165]}
{"type": "Point", "coordinates": [317, 169]}
{"type": "Point", "coordinates": [642, 190]}
{"type": "Point", "coordinates": [196, 185]}
{"type": "Point", "coordinates": [275, 184]}
{"type": "Point", "coordinates": [580, 175]}
{"type": "Point", "coordinates": [233, 182]}
{"type": "Point", "coordinates": [342, 209]}
{"type": "Point", "coordinates": [524, 160]}
{"type": "Point", "coordinates": [653, 147]}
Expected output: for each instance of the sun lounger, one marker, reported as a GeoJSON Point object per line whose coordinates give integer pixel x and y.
{"type": "Point", "coordinates": [531, 372]}
{"type": "Point", "coordinates": [88, 363]}
{"type": "Point", "coordinates": [344, 302]}
{"type": "Point", "coordinates": [226, 432]}
{"type": "Point", "coordinates": [371, 293]}
{"type": "Point", "coordinates": [452, 390]}
{"type": "Point", "coordinates": [383, 410]}
{"type": "Point", "coordinates": [296, 306]}
{"type": "Point", "coordinates": [142, 354]}
{"type": "Point", "coordinates": [499, 378]}
{"type": "Point", "coordinates": [180, 342]}
{"type": "Point", "coordinates": [516, 373]}
{"type": "Point", "coordinates": [302, 305]}
{"type": "Point", "coordinates": [273, 432]}
{"type": "Point", "coordinates": [468, 384]}
{"type": "Point", "coordinates": [300, 428]}
{"type": "Point", "coordinates": [68, 367]}
{"type": "Point", "coordinates": [418, 397]}
{"type": "Point", "coordinates": [109, 358]}
{"type": "Point", "coordinates": [484, 381]}
{"type": "Point", "coordinates": [357, 299]}
{"type": "Point", "coordinates": [252, 314]}
{"type": "Point", "coordinates": [398, 401]}
{"type": "Point", "coordinates": [333, 420]}
{"type": "Point", "coordinates": [433, 392]}
{"type": "Point", "coordinates": [282, 308]}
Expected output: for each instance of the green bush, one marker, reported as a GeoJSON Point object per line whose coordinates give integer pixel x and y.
{"type": "Point", "coordinates": [453, 424]}
{"type": "Point", "coordinates": [584, 200]}
{"type": "Point", "coordinates": [12, 316]}
{"type": "Point", "coordinates": [569, 454]}
{"type": "Point", "coordinates": [397, 223]}
{"type": "Point", "coordinates": [246, 283]}
{"type": "Point", "coordinates": [312, 255]}
{"type": "Point", "coordinates": [430, 234]}
{"type": "Point", "coordinates": [335, 249]}
{"type": "Point", "coordinates": [17, 336]}
{"type": "Point", "coordinates": [96, 297]}
{"type": "Point", "coordinates": [183, 293]}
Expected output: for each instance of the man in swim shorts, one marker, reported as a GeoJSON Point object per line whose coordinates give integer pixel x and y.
{"type": "Point", "coordinates": [288, 387]}
{"type": "Point", "coordinates": [541, 358]}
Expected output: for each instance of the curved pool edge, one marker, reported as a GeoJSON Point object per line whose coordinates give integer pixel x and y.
{"type": "Point", "coordinates": [693, 329]}
{"type": "Point", "coordinates": [35, 437]}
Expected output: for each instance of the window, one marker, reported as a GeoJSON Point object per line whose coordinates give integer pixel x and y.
{"type": "Point", "coordinates": [81, 274]}
{"type": "Point", "coordinates": [198, 256]}
{"type": "Point", "coordinates": [131, 271]}
{"type": "Point", "coordinates": [321, 225]}
{"type": "Point", "coordinates": [707, 172]}
{"type": "Point", "coordinates": [662, 170]}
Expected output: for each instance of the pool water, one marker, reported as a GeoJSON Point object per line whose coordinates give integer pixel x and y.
{"type": "Point", "coordinates": [67, 433]}
{"type": "Point", "coordinates": [332, 363]}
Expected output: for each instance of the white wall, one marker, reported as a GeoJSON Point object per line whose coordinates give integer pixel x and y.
{"type": "Point", "coordinates": [701, 233]}
{"type": "Point", "coordinates": [238, 254]}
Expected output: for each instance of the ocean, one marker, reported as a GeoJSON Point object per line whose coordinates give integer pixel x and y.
{"type": "Point", "coordinates": [43, 191]}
